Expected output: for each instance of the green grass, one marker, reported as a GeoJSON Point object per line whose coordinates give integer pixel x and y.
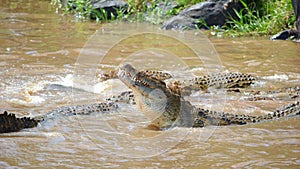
{"type": "Point", "coordinates": [83, 10]}
{"type": "Point", "coordinates": [138, 10]}
{"type": "Point", "coordinates": [145, 10]}
{"type": "Point", "coordinates": [265, 17]}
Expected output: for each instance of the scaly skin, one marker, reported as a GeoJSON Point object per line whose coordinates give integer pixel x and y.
{"type": "Point", "coordinates": [11, 123]}
{"type": "Point", "coordinates": [165, 107]}
{"type": "Point", "coordinates": [160, 105]}
{"type": "Point", "coordinates": [161, 102]}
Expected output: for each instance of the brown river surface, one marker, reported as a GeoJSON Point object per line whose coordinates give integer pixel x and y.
{"type": "Point", "coordinates": [48, 60]}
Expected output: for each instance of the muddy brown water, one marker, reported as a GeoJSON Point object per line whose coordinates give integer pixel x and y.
{"type": "Point", "coordinates": [41, 52]}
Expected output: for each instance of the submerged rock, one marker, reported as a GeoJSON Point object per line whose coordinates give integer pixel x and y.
{"type": "Point", "coordinates": [204, 15]}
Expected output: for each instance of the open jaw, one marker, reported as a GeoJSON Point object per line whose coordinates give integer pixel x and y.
{"type": "Point", "coordinates": [138, 80]}
{"type": "Point", "coordinates": [152, 96]}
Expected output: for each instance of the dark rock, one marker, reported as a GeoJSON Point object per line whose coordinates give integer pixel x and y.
{"type": "Point", "coordinates": [110, 7]}
{"type": "Point", "coordinates": [293, 33]}
{"type": "Point", "coordinates": [204, 15]}
{"type": "Point", "coordinates": [296, 6]}
{"type": "Point", "coordinates": [180, 22]}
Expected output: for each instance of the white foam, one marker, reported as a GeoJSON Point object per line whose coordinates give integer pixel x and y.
{"type": "Point", "coordinates": [27, 133]}
{"type": "Point", "coordinates": [93, 88]}
{"type": "Point", "coordinates": [29, 101]}
{"type": "Point", "coordinates": [26, 95]}
{"type": "Point", "coordinates": [282, 77]}
{"type": "Point", "coordinates": [65, 81]}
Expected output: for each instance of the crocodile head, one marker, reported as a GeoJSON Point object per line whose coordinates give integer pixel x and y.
{"type": "Point", "coordinates": [159, 102]}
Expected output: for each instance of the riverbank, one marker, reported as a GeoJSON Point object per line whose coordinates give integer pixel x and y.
{"type": "Point", "coordinates": [229, 18]}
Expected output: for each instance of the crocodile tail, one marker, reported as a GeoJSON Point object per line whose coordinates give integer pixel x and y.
{"type": "Point", "coordinates": [206, 117]}
{"type": "Point", "coordinates": [11, 123]}
{"type": "Point", "coordinates": [292, 109]}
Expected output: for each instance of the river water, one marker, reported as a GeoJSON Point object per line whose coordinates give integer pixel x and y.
{"type": "Point", "coordinates": [48, 60]}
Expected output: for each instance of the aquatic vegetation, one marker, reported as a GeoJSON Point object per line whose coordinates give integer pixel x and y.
{"type": "Point", "coordinates": [140, 11]}
{"type": "Point", "coordinates": [152, 11]}
{"type": "Point", "coordinates": [81, 8]}
{"type": "Point", "coordinates": [84, 10]}
{"type": "Point", "coordinates": [261, 17]}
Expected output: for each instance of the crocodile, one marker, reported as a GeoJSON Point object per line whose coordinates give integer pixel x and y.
{"type": "Point", "coordinates": [9, 122]}
{"type": "Point", "coordinates": [162, 102]}
{"type": "Point", "coordinates": [164, 105]}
